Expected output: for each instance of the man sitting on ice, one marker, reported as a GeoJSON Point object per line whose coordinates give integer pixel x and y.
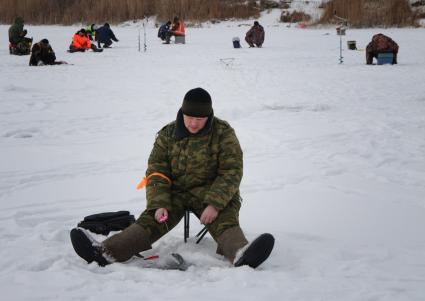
{"type": "Point", "coordinates": [81, 42]}
{"type": "Point", "coordinates": [196, 164]}
{"type": "Point", "coordinates": [43, 54]}
{"type": "Point", "coordinates": [19, 44]}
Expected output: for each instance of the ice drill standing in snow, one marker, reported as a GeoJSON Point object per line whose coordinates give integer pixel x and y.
{"type": "Point", "coordinates": [196, 163]}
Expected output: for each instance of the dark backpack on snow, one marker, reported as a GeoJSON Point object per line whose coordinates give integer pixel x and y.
{"type": "Point", "coordinates": [103, 223]}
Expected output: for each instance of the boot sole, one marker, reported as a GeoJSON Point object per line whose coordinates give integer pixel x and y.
{"type": "Point", "coordinates": [83, 246]}
{"type": "Point", "coordinates": [258, 251]}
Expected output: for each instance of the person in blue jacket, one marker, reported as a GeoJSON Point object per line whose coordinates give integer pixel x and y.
{"type": "Point", "coordinates": [163, 29]}
{"type": "Point", "coordinates": [105, 35]}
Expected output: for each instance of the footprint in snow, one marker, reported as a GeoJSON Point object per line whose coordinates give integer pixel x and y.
{"type": "Point", "coordinates": [24, 133]}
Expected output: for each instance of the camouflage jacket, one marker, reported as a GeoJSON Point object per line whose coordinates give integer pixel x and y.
{"type": "Point", "coordinates": [207, 165]}
{"type": "Point", "coordinates": [16, 31]}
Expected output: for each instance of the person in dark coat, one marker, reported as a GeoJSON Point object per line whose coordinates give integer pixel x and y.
{"type": "Point", "coordinates": [19, 44]}
{"type": "Point", "coordinates": [381, 44]}
{"type": "Point", "coordinates": [105, 35]}
{"type": "Point", "coordinates": [163, 30]}
{"type": "Point", "coordinates": [43, 54]}
{"type": "Point", "coordinates": [255, 36]}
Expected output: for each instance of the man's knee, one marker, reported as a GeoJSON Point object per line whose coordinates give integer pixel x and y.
{"type": "Point", "coordinates": [157, 230]}
{"type": "Point", "coordinates": [226, 219]}
{"type": "Point", "coordinates": [147, 221]}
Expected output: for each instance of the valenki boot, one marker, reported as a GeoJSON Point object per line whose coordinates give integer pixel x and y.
{"type": "Point", "coordinates": [129, 242]}
{"type": "Point", "coordinates": [256, 252]}
{"type": "Point", "coordinates": [119, 247]}
{"type": "Point", "coordinates": [88, 248]}
{"type": "Point", "coordinates": [234, 246]}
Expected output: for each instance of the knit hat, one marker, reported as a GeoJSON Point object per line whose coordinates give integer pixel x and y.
{"type": "Point", "coordinates": [197, 103]}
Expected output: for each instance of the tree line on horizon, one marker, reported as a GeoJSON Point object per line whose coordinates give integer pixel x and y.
{"type": "Point", "coordinates": [68, 12]}
{"type": "Point", "coordinates": [359, 13]}
{"type": "Point", "coordinates": [370, 13]}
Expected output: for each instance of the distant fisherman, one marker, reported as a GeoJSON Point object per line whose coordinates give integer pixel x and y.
{"type": "Point", "coordinates": [43, 54]}
{"type": "Point", "coordinates": [81, 42]}
{"type": "Point", "coordinates": [105, 36]}
{"type": "Point", "coordinates": [91, 31]}
{"type": "Point", "coordinates": [19, 44]}
{"type": "Point", "coordinates": [163, 30]}
{"type": "Point", "coordinates": [381, 44]}
{"type": "Point", "coordinates": [177, 29]}
{"type": "Point", "coordinates": [255, 36]}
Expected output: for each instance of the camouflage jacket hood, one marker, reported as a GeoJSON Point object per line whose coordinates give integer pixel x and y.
{"type": "Point", "coordinates": [19, 21]}
{"type": "Point", "coordinates": [207, 165]}
{"type": "Point", "coordinates": [16, 31]}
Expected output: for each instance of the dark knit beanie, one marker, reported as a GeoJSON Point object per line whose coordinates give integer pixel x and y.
{"type": "Point", "coordinates": [197, 103]}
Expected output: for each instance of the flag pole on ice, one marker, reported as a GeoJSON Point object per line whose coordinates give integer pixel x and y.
{"type": "Point", "coordinates": [342, 28]}
{"type": "Point", "coordinates": [145, 20]}
{"type": "Point", "coordinates": [139, 38]}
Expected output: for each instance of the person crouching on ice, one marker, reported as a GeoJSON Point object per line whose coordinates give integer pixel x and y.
{"type": "Point", "coordinates": [43, 54]}
{"type": "Point", "coordinates": [177, 29]}
{"type": "Point", "coordinates": [105, 35]}
{"type": "Point", "coordinates": [196, 164]}
{"type": "Point", "coordinates": [381, 44]}
{"type": "Point", "coordinates": [255, 36]}
{"type": "Point", "coordinates": [163, 30]}
{"type": "Point", "coordinates": [81, 42]}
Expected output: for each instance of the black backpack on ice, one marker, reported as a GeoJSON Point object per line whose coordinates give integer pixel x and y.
{"type": "Point", "coordinates": [103, 223]}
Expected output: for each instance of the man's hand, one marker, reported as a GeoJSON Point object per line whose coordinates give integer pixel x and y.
{"type": "Point", "coordinates": [161, 213]}
{"type": "Point", "coordinates": [209, 215]}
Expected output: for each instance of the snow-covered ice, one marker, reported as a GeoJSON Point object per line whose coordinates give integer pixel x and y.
{"type": "Point", "coordinates": [334, 163]}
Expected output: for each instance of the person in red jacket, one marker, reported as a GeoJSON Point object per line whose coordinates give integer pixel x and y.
{"type": "Point", "coordinates": [177, 29]}
{"type": "Point", "coordinates": [81, 43]}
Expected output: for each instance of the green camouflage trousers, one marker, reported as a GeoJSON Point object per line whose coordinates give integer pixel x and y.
{"type": "Point", "coordinates": [227, 218]}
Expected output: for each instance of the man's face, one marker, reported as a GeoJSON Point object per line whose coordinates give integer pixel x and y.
{"type": "Point", "coordinates": [194, 124]}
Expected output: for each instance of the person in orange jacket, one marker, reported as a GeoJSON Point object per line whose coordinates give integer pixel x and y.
{"type": "Point", "coordinates": [177, 29]}
{"type": "Point", "coordinates": [81, 42]}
